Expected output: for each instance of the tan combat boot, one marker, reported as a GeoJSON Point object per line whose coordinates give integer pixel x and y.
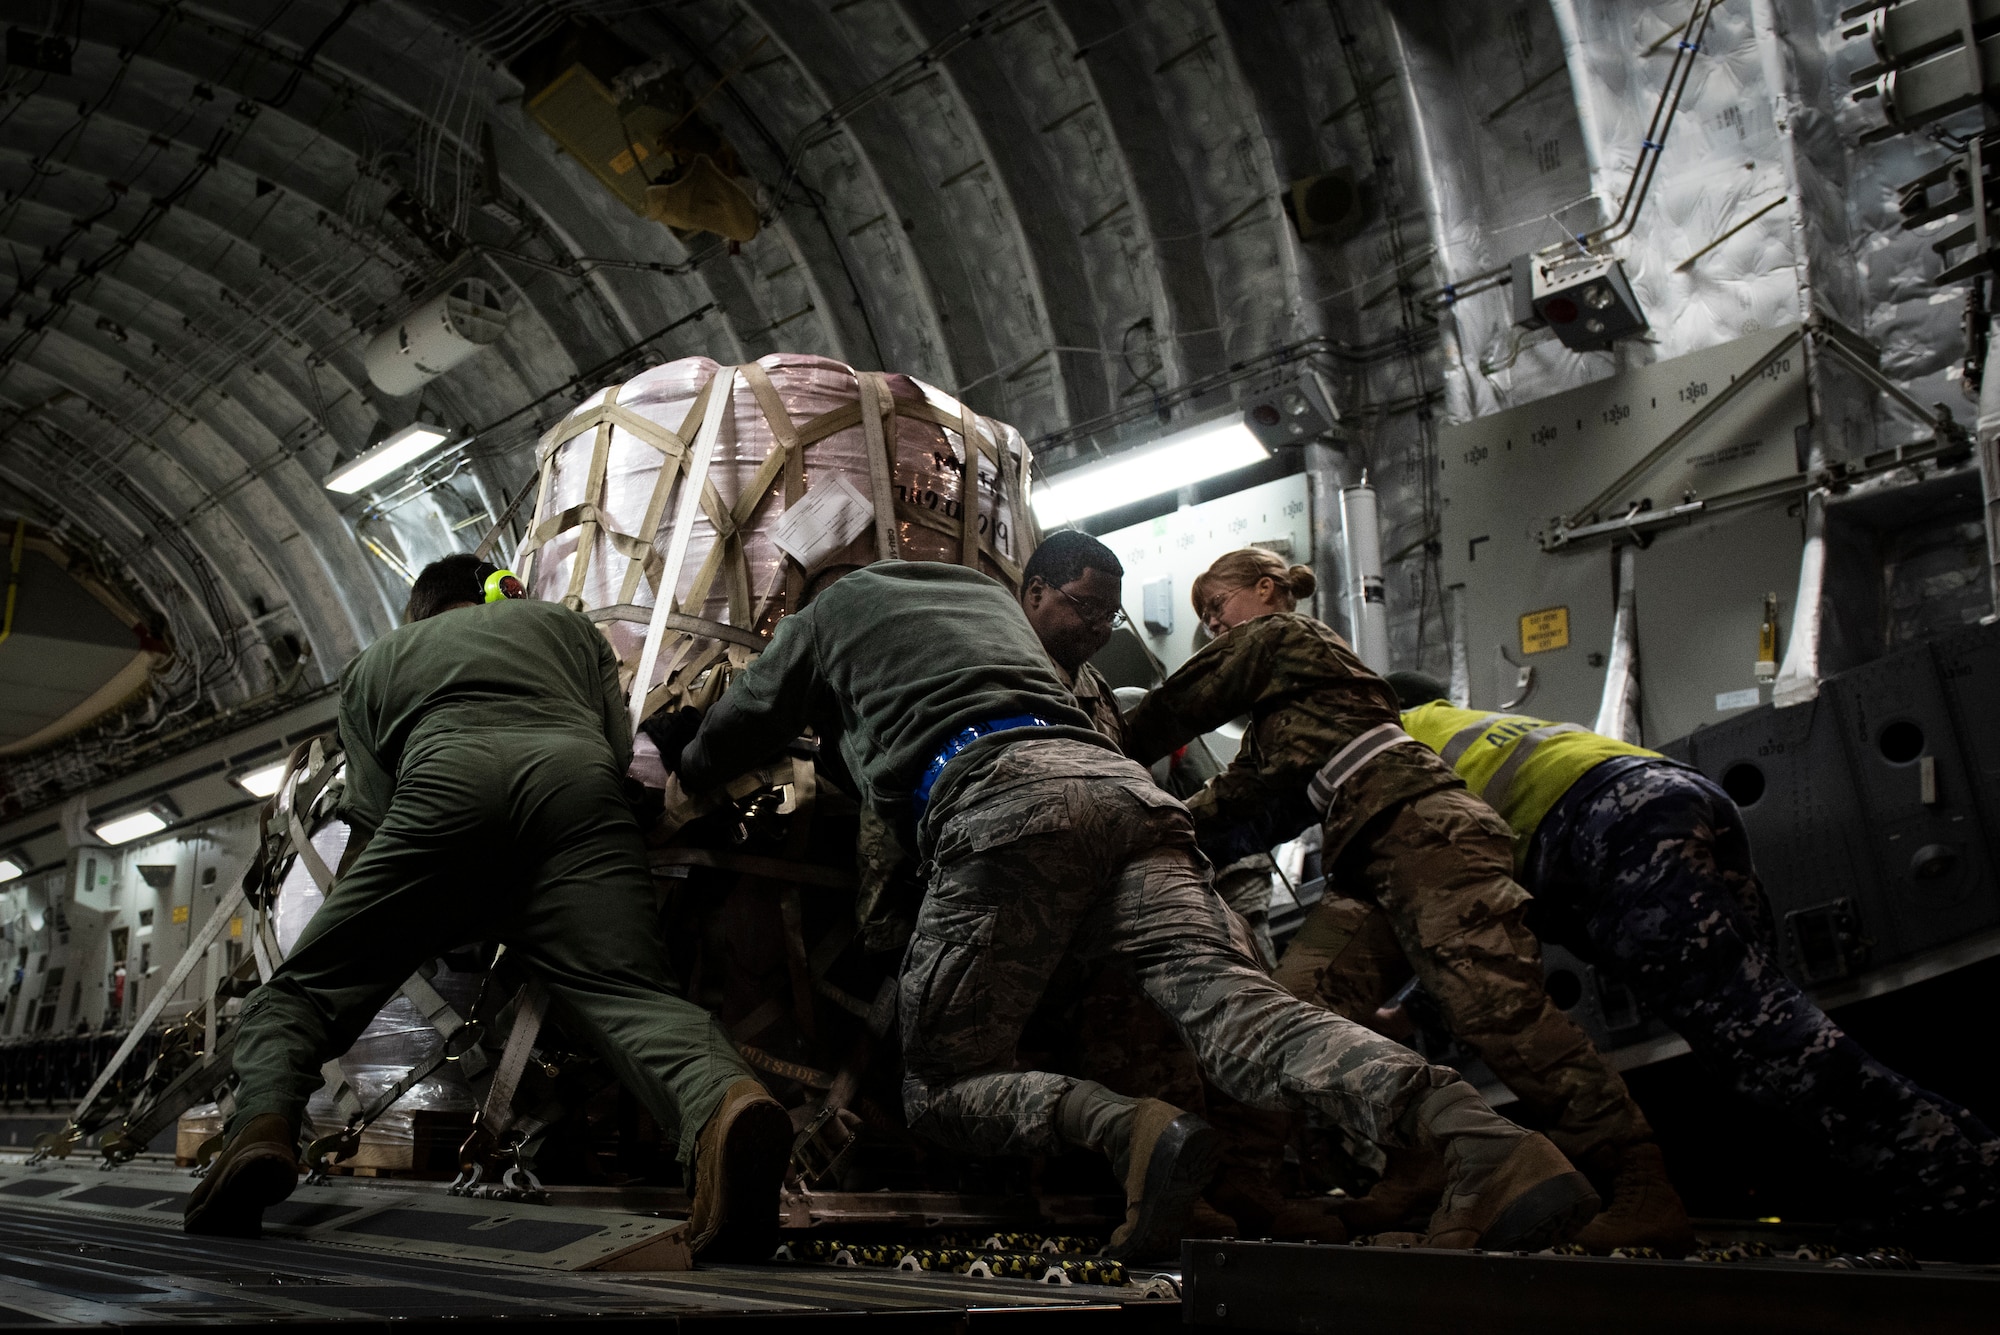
{"type": "Point", "coordinates": [1173, 1155]}
{"type": "Point", "coordinates": [1408, 1190]}
{"type": "Point", "coordinates": [1644, 1209]}
{"type": "Point", "coordinates": [256, 1169]}
{"type": "Point", "coordinates": [1506, 1189]}
{"type": "Point", "coordinates": [1262, 1211]}
{"type": "Point", "coordinates": [739, 1167]}
{"type": "Point", "coordinates": [1205, 1221]}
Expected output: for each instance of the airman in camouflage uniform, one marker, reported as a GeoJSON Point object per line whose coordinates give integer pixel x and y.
{"type": "Point", "coordinates": [1072, 591]}
{"type": "Point", "coordinates": [1042, 841]}
{"type": "Point", "coordinates": [1400, 832]}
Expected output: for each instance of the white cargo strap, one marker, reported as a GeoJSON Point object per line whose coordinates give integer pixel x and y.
{"type": "Point", "coordinates": [498, 1114]}
{"type": "Point", "coordinates": [299, 791]}
{"type": "Point", "coordinates": [1349, 759]}
{"type": "Point", "coordinates": [687, 625]}
{"type": "Point", "coordinates": [968, 492]}
{"type": "Point", "coordinates": [720, 387]}
{"type": "Point", "coordinates": [877, 438]}
{"type": "Point", "coordinates": [1497, 787]}
{"type": "Point", "coordinates": [1462, 740]}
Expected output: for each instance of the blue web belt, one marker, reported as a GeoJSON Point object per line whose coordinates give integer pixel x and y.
{"type": "Point", "coordinates": [922, 796]}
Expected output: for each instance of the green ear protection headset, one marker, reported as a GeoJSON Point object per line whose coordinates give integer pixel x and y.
{"type": "Point", "coordinates": [497, 582]}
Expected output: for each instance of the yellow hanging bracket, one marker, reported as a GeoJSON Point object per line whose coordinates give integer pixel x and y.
{"type": "Point", "coordinates": [1767, 641]}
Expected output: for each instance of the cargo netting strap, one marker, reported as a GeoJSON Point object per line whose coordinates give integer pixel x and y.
{"type": "Point", "coordinates": [196, 953]}
{"type": "Point", "coordinates": [673, 452]}
{"type": "Point", "coordinates": [968, 494]}
{"type": "Point", "coordinates": [831, 1133]}
{"type": "Point", "coordinates": [797, 1073]}
{"type": "Point", "coordinates": [601, 418]}
{"type": "Point", "coordinates": [691, 807]}
{"type": "Point", "coordinates": [298, 792]}
{"type": "Point", "coordinates": [879, 442]}
{"type": "Point", "coordinates": [593, 486]}
{"type": "Point", "coordinates": [323, 1152]}
{"type": "Point", "coordinates": [496, 1115]}
{"type": "Point", "coordinates": [587, 515]}
{"type": "Point", "coordinates": [685, 625]}
{"type": "Point", "coordinates": [715, 397]}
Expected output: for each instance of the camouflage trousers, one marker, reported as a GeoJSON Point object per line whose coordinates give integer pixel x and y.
{"type": "Point", "coordinates": [1649, 877]}
{"type": "Point", "coordinates": [1120, 1039]}
{"type": "Point", "coordinates": [1245, 885]}
{"type": "Point", "coordinates": [1055, 848]}
{"type": "Point", "coordinates": [1428, 889]}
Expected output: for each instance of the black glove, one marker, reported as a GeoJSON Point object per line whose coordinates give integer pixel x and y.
{"type": "Point", "coordinates": [671, 732]}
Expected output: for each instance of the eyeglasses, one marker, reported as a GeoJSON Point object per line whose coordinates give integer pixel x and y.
{"type": "Point", "coordinates": [1095, 616]}
{"type": "Point", "coordinates": [1212, 616]}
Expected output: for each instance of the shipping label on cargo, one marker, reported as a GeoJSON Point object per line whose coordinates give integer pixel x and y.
{"type": "Point", "coordinates": [826, 519]}
{"type": "Point", "coordinates": [1545, 630]}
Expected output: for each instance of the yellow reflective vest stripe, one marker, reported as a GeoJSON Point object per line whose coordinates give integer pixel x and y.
{"type": "Point", "coordinates": [1519, 765]}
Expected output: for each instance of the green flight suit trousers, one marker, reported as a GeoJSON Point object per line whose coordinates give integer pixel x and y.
{"type": "Point", "coordinates": [517, 835]}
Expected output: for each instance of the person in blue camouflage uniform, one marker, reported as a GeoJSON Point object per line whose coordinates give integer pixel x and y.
{"type": "Point", "coordinates": [1652, 870]}
{"type": "Point", "coordinates": [1643, 867]}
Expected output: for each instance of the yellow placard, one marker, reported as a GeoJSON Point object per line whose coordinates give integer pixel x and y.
{"type": "Point", "coordinates": [630, 158]}
{"type": "Point", "coordinates": [236, 927]}
{"type": "Point", "coordinates": [180, 913]}
{"type": "Point", "coordinates": [1545, 630]}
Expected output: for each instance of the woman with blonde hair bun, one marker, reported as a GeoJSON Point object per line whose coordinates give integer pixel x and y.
{"type": "Point", "coordinates": [1420, 874]}
{"type": "Point", "coordinates": [1246, 569]}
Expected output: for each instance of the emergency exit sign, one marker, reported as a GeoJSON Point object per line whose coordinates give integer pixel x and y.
{"type": "Point", "coordinates": [1545, 630]}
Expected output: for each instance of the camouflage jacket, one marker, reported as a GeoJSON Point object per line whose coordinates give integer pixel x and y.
{"type": "Point", "coordinates": [1307, 696]}
{"type": "Point", "coordinates": [1093, 693]}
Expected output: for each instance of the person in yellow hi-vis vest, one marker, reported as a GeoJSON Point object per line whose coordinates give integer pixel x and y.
{"type": "Point", "coordinates": [1641, 865]}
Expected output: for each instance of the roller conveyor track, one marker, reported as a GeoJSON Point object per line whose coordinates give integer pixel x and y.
{"type": "Point", "coordinates": [85, 1265]}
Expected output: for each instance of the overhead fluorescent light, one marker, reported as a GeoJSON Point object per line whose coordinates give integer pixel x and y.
{"type": "Point", "coordinates": [1165, 465]}
{"type": "Point", "coordinates": [10, 870]}
{"type": "Point", "coordinates": [262, 781]}
{"type": "Point", "coordinates": [399, 450]}
{"type": "Point", "coordinates": [135, 825]}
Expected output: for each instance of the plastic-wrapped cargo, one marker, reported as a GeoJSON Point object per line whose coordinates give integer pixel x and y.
{"type": "Point", "coordinates": [799, 464]}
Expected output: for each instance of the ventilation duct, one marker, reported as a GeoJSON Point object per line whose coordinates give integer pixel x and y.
{"type": "Point", "coordinates": [441, 333]}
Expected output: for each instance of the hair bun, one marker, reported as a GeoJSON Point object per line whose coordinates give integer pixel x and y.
{"type": "Point", "coordinates": [1302, 580]}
